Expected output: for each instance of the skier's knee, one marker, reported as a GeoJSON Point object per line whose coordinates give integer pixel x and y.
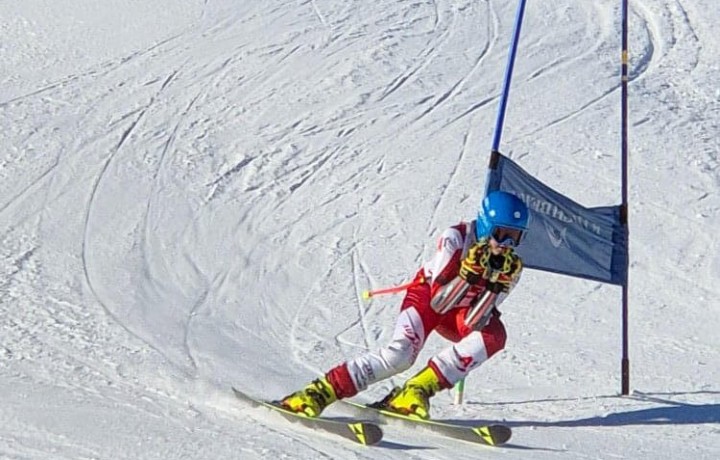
{"type": "Point", "coordinates": [400, 355]}
{"type": "Point", "coordinates": [494, 338]}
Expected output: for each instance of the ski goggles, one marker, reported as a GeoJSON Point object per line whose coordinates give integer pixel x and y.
{"type": "Point", "coordinates": [506, 236]}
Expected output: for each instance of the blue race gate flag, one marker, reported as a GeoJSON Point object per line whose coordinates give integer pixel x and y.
{"type": "Point", "coordinates": [564, 237]}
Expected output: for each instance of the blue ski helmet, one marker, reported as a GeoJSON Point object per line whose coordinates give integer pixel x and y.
{"type": "Point", "coordinates": [503, 217]}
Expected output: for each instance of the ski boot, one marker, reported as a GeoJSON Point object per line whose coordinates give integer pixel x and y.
{"type": "Point", "coordinates": [383, 403]}
{"type": "Point", "coordinates": [413, 399]}
{"type": "Point", "coordinates": [312, 399]}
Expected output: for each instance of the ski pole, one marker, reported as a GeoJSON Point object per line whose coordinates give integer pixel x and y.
{"type": "Point", "coordinates": [459, 391]}
{"type": "Point", "coordinates": [393, 289]}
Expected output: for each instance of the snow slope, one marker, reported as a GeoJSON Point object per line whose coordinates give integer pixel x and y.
{"type": "Point", "coordinates": [193, 195]}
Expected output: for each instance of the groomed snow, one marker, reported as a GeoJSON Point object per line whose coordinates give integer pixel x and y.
{"type": "Point", "coordinates": [194, 194]}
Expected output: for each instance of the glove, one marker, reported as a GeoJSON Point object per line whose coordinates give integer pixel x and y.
{"type": "Point", "coordinates": [499, 270]}
{"type": "Point", "coordinates": [504, 269]}
{"type": "Point", "coordinates": [473, 267]}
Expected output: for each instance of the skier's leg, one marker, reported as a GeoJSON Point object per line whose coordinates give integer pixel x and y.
{"type": "Point", "coordinates": [449, 366]}
{"type": "Point", "coordinates": [356, 374]}
{"type": "Point", "coordinates": [455, 362]}
{"type": "Point", "coordinates": [414, 323]}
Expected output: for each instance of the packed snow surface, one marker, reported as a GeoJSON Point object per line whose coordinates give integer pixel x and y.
{"type": "Point", "coordinates": [195, 193]}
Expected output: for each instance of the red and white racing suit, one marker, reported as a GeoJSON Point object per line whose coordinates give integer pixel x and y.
{"type": "Point", "coordinates": [417, 320]}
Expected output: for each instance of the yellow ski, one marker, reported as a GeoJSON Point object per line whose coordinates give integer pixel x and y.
{"type": "Point", "coordinates": [489, 435]}
{"type": "Point", "coordinates": [360, 431]}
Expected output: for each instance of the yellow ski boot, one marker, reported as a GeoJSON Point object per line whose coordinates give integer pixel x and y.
{"type": "Point", "coordinates": [312, 399]}
{"type": "Point", "coordinates": [414, 397]}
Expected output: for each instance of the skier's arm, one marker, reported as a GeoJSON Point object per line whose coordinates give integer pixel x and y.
{"type": "Point", "coordinates": [449, 249]}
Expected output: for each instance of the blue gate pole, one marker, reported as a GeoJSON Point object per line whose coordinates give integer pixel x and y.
{"type": "Point", "coordinates": [508, 77]}
{"type": "Point", "coordinates": [460, 386]}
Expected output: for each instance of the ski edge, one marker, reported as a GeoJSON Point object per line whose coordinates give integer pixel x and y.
{"type": "Point", "coordinates": [363, 432]}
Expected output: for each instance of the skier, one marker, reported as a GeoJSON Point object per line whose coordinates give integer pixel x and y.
{"type": "Point", "coordinates": [455, 293]}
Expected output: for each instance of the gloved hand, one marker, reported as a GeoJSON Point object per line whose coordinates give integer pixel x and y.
{"type": "Point", "coordinates": [499, 270]}
{"type": "Point", "coordinates": [474, 266]}
{"type": "Point", "coordinates": [504, 269]}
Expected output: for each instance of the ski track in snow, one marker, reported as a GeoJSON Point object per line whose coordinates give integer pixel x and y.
{"type": "Point", "coordinates": [200, 204]}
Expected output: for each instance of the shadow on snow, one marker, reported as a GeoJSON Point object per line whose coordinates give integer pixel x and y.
{"type": "Point", "coordinates": [670, 413]}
